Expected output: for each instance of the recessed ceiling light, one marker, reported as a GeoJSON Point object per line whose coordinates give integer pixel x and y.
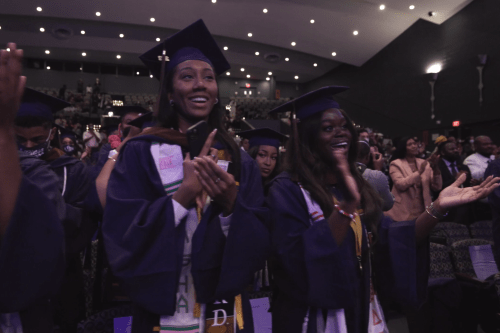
{"type": "Point", "coordinates": [296, 77]}
{"type": "Point", "coordinates": [158, 39]}
{"type": "Point", "coordinates": [84, 54]}
{"type": "Point", "coordinates": [293, 43]}
{"type": "Point", "coordinates": [270, 73]}
{"type": "Point", "coordinates": [382, 7]}
{"type": "Point", "coordinates": [8, 49]}
{"type": "Point", "coordinates": [257, 53]}
{"type": "Point", "coordinates": [355, 32]}
{"type": "Point", "coordinates": [250, 34]}
{"type": "Point", "coordinates": [432, 13]}
{"type": "Point", "coordinates": [38, 9]}
{"type": "Point", "coordinates": [81, 68]}
{"type": "Point", "coordinates": [151, 76]}
{"type": "Point", "coordinates": [248, 76]}
{"type": "Point", "coordinates": [152, 19]}
{"type": "Point", "coordinates": [226, 48]}
{"type": "Point", "coordinates": [312, 21]}
{"type": "Point", "coordinates": [242, 69]}
{"type": "Point", "coordinates": [97, 13]}
{"type": "Point", "coordinates": [137, 73]}
{"type": "Point", "coordinates": [228, 73]}
{"type": "Point", "coordinates": [315, 65]}
{"type": "Point", "coordinates": [214, 1]}
{"type": "Point", "coordinates": [118, 56]}
{"type": "Point", "coordinates": [334, 54]}
{"type": "Point", "coordinates": [0, 27]}
{"type": "Point", "coordinates": [48, 67]}
{"type": "Point", "coordinates": [268, 78]}
{"type": "Point", "coordinates": [82, 32]}
{"type": "Point", "coordinates": [412, 7]}
{"type": "Point", "coordinates": [287, 59]}
{"type": "Point", "coordinates": [265, 10]}
{"type": "Point", "coordinates": [122, 35]}
{"type": "Point", "coordinates": [47, 52]}
{"type": "Point", "coordinates": [42, 29]}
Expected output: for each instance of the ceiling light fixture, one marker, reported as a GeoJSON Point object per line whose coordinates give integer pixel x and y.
{"type": "Point", "coordinates": [296, 77]}
{"type": "Point", "coordinates": [248, 76]}
{"type": "Point", "coordinates": [257, 53]}
{"type": "Point", "coordinates": [268, 78]}
{"type": "Point", "coordinates": [151, 76]}
{"type": "Point", "coordinates": [434, 68]}
{"type": "Point", "coordinates": [226, 48]}
{"type": "Point", "coordinates": [270, 73]}
{"type": "Point", "coordinates": [355, 32]}
{"type": "Point", "coordinates": [47, 52]}
{"type": "Point", "coordinates": [84, 54]}
{"type": "Point", "coordinates": [158, 39]}
{"type": "Point", "coordinates": [8, 49]}
{"type": "Point", "coordinates": [137, 73]}
{"type": "Point", "coordinates": [42, 29]}
{"type": "Point", "coordinates": [118, 56]}
{"type": "Point", "coordinates": [265, 10]}
{"type": "Point", "coordinates": [48, 67]}
{"type": "Point", "coordinates": [0, 27]}
{"type": "Point", "coordinates": [97, 13]}
{"type": "Point", "coordinates": [312, 21]}
{"type": "Point", "coordinates": [287, 59]}
{"type": "Point", "coordinates": [214, 1]}
{"type": "Point", "coordinates": [334, 54]}
{"type": "Point", "coordinates": [412, 7]}
{"type": "Point", "coordinates": [293, 43]}
{"type": "Point", "coordinates": [38, 9]}
{"type": "Point", "coordinates": [242, 69]}
{"type": "Point", "coordinates": [122, 35]}
{"type": "Point", "coordinates": [152, 19]}
{"type": "Point", "coordinates": [315, 65]}
{"type": "Point", "coordinates": [228, 73]}
{"type": "Point", "coordinates": [82, 32]}
{"type": "Point", "coordinates": [382, 7]}
{"type": "Point", "coordinates": [250, 34]}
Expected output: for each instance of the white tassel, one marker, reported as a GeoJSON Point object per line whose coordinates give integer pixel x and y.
{"type": "Point", "coordinates": [306, 322]}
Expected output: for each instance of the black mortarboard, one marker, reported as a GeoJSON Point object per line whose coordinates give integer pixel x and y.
{"type": "Point", "coordinates": [313, 102]}
{"type": "Point", "coordinates": [122, 111]}
{"type": "Point", "coordinates": [35, 103]}
{"type": "Point", "coordinates": [146, 120]}
{"type": "Point", "coordinates": [264, 137]}
{"type": "Point", "coordinates": [65, 133]}
{"type": "Point", "coordinates": [192, 43]}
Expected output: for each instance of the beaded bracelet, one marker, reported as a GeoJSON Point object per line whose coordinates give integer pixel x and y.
{"type": "Point", "coordinates": [343, 212]}
{"type": "Point", "coordinates": [434, 213]}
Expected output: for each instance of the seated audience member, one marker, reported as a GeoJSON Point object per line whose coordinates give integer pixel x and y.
{"type": "Point", "coordinates": [375, 178]}
{"type": "Point", "coordinates": [31, 214]}
{"type": "Point", "coordinates": [264, 146]}
{"type": "Point", "coordinates": [34, 131]}
{"type": "Point", "coordinates": [363, 134]}
{"type": "Point", "coordinates": [69, 143]}
{"type": "Point", "coordinates": [478, 162]}
{"type": "Point", "coordinates": [413, 180]}
{"type": "Point", "coordinates": [244, 144]}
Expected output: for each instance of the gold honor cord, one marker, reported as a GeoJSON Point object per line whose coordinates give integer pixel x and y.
{"type": "Point", "coordinates": [357, 228]}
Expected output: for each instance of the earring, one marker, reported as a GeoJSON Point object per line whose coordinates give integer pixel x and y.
{"type": "Point", "coordinates": [216, 100]}
{"type": "Point", "coordinates": [171, 102]}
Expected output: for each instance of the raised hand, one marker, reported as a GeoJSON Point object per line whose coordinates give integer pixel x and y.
{"type": "Point", "coordinates": [433, 160]}
{"type": "Point", "coordinates": [11, 84]}
{"type": "Point", "coordinates": [453, 195]}
{"type": "Point", "coordinates": [421, 170]}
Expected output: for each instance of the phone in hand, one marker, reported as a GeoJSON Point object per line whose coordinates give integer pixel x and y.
{"type": "Point", "coordinates": [197, 135]}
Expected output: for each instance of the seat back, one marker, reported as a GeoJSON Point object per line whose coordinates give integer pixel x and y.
{"type": "Point", "coordinates": [441, 266]}
{"type": "Point", "coordinates": [453, 232]}
{"type": "Point", "coordinates": [482, 230]}
{"type": "Point", "coordinates": [461, 257]}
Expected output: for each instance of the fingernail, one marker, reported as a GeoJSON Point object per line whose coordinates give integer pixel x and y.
{"type": "Point", "coordinates": [214, 131]}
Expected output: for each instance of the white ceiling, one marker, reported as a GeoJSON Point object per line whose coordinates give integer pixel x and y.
{"type": "Point", "coordinates": [230, 20]}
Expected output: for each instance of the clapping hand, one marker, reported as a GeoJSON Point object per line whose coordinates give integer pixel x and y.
{"type": "Point", "coordinates": [453, 195]}
{"type": "Point", "coordinates": [11, 84]}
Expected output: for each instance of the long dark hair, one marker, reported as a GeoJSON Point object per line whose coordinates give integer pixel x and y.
{"type": "Point", "coordinates": [277, 168]}
{"type": "Point", "coordinates": [400, 151]}
{"type": "Point", "coordinates": [306, 165]}
{"type": "Point", "coordinates": [169, 117]}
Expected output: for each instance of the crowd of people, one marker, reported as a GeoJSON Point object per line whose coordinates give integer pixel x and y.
{"type": "Point", "coordinates": [184, 216]}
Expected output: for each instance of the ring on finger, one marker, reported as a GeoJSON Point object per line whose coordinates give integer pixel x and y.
{"type": "Point", "coordinates": [213, 156]}
{"type": "Point", "coordinates": [217, 180]}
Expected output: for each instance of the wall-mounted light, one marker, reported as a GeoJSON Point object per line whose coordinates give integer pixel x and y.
{"type": "Point", "coordinates": [432, 75]}
{"type": "Point", "coordinates": [482, 62]}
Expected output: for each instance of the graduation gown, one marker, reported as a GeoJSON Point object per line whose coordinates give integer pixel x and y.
{"type": "Point", "coordinates": [145, 249]}
{"type": "Point", "coordinates": [311, 271]}
{"type": "Point", "coordinates": [32, 249]}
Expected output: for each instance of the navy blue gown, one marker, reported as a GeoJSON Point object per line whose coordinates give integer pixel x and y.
{"type": "Point", "coordinates": [311, 271]}
{"type": "Point", "coordinates": [145, 249]}
{"type": "Point", "coordinates": [32, 259]}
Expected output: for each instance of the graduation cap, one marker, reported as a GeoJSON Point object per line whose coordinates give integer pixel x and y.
{"type": "Point", "coordinates": [192, 43]}
{"type": "Point", "coordinates": [37, 104]}
{"type": "Point", "coordinates": [263, 137]}
{"type": "Point", "coordinates": [65, 133]}
{"type": "Point", "coordinates": [122, 111]}
{"type": "Point", "coordinates": [146, 120]}
{"type": "Point", "coordinates": [313, 102]}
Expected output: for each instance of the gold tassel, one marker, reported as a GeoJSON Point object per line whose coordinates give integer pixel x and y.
{"type": "Point", "coordinates": [197, 310]}
{"type": "Point", "coordinates": [239, 311]}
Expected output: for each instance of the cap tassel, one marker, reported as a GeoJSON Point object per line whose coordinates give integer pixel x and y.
{"type": "Point", "coordinates": [157, 108]}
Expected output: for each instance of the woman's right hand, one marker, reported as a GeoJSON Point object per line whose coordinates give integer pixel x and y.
{"type": "Point", "coordinates": [352, 197]}
{"type": "Point", "coordinates": [421, 170]}
{"type": "Point", "coordinates": [11, 84]}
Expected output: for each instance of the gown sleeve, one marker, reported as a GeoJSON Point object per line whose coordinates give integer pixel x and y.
{"type": "Point", "coordinates": [224, 266]}
{"type": "Point", "coordinates": [311, 267]}
{"type": "Point", "coordinates": [32, 249]}
{"type": "Point", "coordinates": [140, 238]}
{"type": "Point", "coordinates": [401, 267]}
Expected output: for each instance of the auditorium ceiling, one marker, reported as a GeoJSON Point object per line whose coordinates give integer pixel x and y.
{"type": "Point", "coordinates": [314, 35]}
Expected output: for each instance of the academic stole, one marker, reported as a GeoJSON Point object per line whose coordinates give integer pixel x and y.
{"type": "Point", "coordinates": [168, 160]}
{"type": "Point", "coordinates": [336, 318]}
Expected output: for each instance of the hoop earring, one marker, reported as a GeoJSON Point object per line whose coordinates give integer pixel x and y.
{"type": "Point", "coordinates": [171, 102]}
{"type": "Point", "coordinates": [216, 100]}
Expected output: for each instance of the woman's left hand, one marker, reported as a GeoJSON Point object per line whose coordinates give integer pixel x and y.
{"type": "Point", "coordinates": [218, 184]}
{"type": "Point", "coordinates": [453, 195]}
